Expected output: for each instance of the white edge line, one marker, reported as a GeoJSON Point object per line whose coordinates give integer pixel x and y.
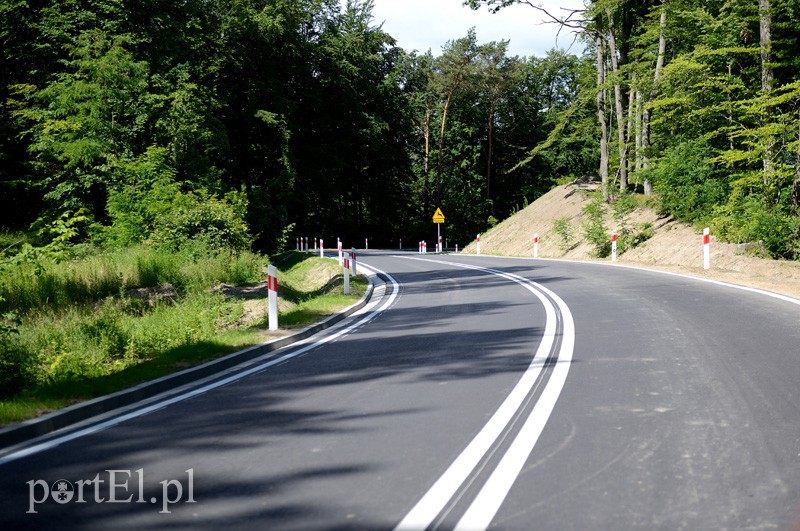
{"type": "Point", "coordinates": [772, 294]}
{"type": "Point", "coordinates": [442, 491]}
{"type": "Point", "coordinates": [52, 443]}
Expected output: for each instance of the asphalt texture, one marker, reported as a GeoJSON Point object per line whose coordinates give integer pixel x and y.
{"type": "Point", "coordinates": [679, 410]}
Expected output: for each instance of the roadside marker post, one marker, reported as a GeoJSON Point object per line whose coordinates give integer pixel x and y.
{"type": "Point", "coordinates": [297, 244]}
{"type": "Point", "coordinates": [536, 245]}
{"type": "Point", "coordinates": [272, 291]}
{"type": "Point", "coordinates": [614, 247]}
{"type": "Point", "coordinates": [315, 244]}
{"type": "Point", "coordinates": [306, 243]}
{"type": "Point", "coordinates": [321, 248]}
{"type": "Point", "coordinates": [366, 244]}
{"type": "Point", "coordinates": [339, 246]}
{"type": "Point", "coordinates": [346, 263]}
{"type": "Point", "coordinates": [706, 248]}
{"type": "Point", "coordinates": [353, 260]}
{"type": "Point", "coordinates": [479, 244]}
{"type": "Point", "coordinates": [456, 248]}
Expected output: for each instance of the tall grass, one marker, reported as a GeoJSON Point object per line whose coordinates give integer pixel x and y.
{"type": "Point", "coordinates": [53, 285]}
{"type": "Point", "coordinates": [83, 332]}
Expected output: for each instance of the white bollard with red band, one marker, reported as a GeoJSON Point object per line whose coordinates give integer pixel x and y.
{"type": "Point", "coordinates": [366, 244]}
{"type": "Point", "coordinates": [297, 244]}
{"type": "Point", "coordinates": [479, 244]}
{"type": "Point", "coordinates": [321, 248]}
{"type": "Point", "coordinates": [614, 247]}
{"type": "Point", "coordinates": [353, 260]}
{"type": "Point", "coordinates": [339, 246]}
{"type": "Point", "coordinates": [272, 291]}
{"type": "Point", "coordinates": [706, 248]}
{"type": "Point", "coordinates": [456, 248]}
{"type": "Point", "coordinates": [315, 244]}
{"type": "Point", "coordinates": [346, 265]}
{"type": "Point", "coordinates": [536, 245]}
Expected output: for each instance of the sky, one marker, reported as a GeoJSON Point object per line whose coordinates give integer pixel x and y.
{"type": "Point", "coordinates": [428, 24]}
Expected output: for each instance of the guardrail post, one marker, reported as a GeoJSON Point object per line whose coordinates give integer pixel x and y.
{"type": "Point", "coordinates": [346, 264]}
{"type": "Point", "coordinates": [272, 289]}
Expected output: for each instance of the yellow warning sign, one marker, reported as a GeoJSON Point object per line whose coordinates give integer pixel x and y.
{"type": "Point", "coordinates": [438, 217]}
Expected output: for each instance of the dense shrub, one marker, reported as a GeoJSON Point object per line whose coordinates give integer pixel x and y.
{"type": "Point", "coordinates": [686, 184]}
{"type": "Point", "coordinates": [152, 206]}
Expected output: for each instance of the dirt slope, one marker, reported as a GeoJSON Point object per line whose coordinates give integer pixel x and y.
{"type": "Point", "coordinates": [674, 246]}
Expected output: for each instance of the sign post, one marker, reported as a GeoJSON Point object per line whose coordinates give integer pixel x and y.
{"type": "Point", "coordinates": [438, 218]}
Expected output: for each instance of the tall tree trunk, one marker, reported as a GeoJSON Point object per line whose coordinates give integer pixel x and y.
{"type": "Point", "coordinates": [630, 128]}
{"type": "Point", "coordinates": [623, 165]}
{"type": "Point", "coordinates": [426, 159]}
{"type": "Point", "coordinates": [796, 183]}
{"type": "Point", "coordinates": [638, 135]}
{"type": "Point", "coordinates": [767, 76]}
{"type": "Point", "coordinates": [601, 106]}
{"type": "Point", "coordinates": [441, 146]}
{"type": "Point", "coordinates": [490, 149]}
{"type": "Point", "coordinates": [662, 47]}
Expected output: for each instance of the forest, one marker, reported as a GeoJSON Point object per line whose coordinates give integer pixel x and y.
{"type": "Point", "coordinates": [246, 123]}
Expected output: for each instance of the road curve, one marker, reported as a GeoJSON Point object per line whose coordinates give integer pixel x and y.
{"type": "Point", "coordinates": [536, 394]}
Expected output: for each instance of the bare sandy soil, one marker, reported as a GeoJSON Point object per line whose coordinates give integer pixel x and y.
{"type": "Point", "coordinates": [674, 247]}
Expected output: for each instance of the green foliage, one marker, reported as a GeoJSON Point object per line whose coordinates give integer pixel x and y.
{"type": "Point", "coordinates": [565, 232]}
{"type": "Point", "coordinates": [594, 227]}
{"type": "Point", "coordinates": [201, 221]}
{"type": "Point", "coordinates": [285, 238]}
{"type": "Point", "coordinates": [27, 286]}
{"type": "Point", "coordinates": [748, 219]}
{"type": "Point", "coordinates": [687, 186]}
{"type": "Point", "coordinates": [152, 207]}
{"type": "Point", "coordinates": [16, 363]}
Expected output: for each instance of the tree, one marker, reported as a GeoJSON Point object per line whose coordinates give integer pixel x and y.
{"type": "Point", "coordinates": [452, 70]}
{"type": "Point", "coordinates": [87, 120]}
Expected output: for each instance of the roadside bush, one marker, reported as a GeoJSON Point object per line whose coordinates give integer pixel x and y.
{"type": "Point", "coordinates": [565, 232]}
{"type": "Point", "coordinates": [594, 228]}
{"type": "Point", "coordinates": [16, 367]}
{"type": "Point", "coordinates": [685, 183]}
{"type": "Point", "coordinates": [750, 220]}
{"type": "Point", "coordinates": [153, 207]}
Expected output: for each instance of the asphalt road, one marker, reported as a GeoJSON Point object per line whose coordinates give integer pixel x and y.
{"type": "Point", "coordinates": [476, 392]}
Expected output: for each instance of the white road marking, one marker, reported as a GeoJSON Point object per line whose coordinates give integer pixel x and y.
{"type": "Point", "coordinates": [52, 443]}
{"type": "Point", "coordinates": [494, 492]}
{"type": "Point", "coordinates": [488, 501]}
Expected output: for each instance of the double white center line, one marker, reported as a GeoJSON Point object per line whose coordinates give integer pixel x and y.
{"type": "Point", "coordinates": [486, 504]}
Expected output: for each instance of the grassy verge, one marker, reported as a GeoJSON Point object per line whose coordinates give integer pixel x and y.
{"type": "Point", "coordinates": [183, 313]}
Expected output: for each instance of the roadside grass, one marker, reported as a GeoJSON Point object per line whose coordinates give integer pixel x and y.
{"type": "Point", "coordinates": [92, 347]}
